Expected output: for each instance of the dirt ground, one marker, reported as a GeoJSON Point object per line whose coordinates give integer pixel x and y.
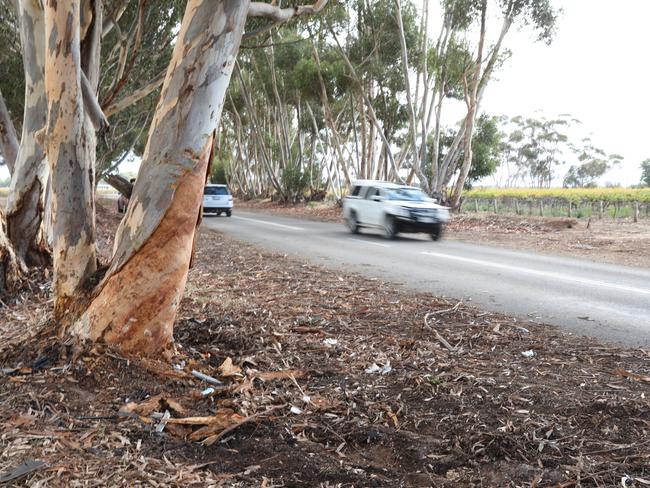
{"type": "Point", "coordinates": [328, 380]}
{"type": "Point", "coordinates": [618, 241]}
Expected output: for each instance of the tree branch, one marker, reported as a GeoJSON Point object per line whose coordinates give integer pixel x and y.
{"type": "Point", "coordinates": [120, 183]}
{"type": "Point", "coordinates": [91, 105]}
{"type": "Point", "coordinates": [280, 15]}
{"type": "Point", "coordinates": [136, 96]}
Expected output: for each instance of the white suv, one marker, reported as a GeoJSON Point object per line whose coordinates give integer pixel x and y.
{"type": "Point", "coordinates": [217, 199]}
{"type": "Point", "coordinates": [393, 208]}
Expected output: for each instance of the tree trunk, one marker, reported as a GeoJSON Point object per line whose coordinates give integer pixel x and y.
{"type": "Point", "coordinates": [8, 138]}
{"type": "Point", "coordinates": [9, 268]}
{"type": "Point", "coordinates": [136, 303]}
{"type": "Point", "coordinates": [472, 101]}
{"type": "Point", "coordinates": [26, 200]}
{"type": "Point", "coordinates": [71, 155]}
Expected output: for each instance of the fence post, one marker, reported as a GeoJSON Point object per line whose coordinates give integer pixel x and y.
{"type": "Point", "coordinates": [570, 204]}
{"type": "Point", "coordinates": [517, 206]}
{"type": "Point", "coordinates": [496, 206]}
{"type": "Point", "coordinates": [636, 212]}
{"type": "Point", "coordinates": [601, 210]}
{"type": "Point", "coordinates": [541, 207]}
{"type": "Point", "coordinates": [476, 204]}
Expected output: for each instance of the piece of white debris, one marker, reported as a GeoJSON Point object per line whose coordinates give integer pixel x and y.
{"type": "Point", "coordinates": [528, 354]}
{"type": "Point", "coordinates": [523, 330]}
{"type": "Point", "coordinates": [296, 410]}
{"type": "Point", "coordinates": [208, 391]}
{"type": "Point", "coordinates": [379, 368]}
{"type": "Point", "coordinates": [330, 342]}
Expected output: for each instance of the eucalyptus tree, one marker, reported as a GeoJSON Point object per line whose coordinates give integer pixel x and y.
{"type": "Point", "coordinates": [133, 305]}
{"type": "Point", "coordinates": [645, 172]}
{"type": "Point", "coordinates": [593, 163]}
{"type": "Point", "coordinates": [536, 14]}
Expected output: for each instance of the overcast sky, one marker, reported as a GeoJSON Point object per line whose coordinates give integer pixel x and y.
{"type": "Point", "coordinates": [597, 69]}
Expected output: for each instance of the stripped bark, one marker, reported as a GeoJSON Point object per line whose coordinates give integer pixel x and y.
{"type": "Point", "coordinates": [26, 199]}
{"type": "Point", "coordinates": [68, 149]}
{"type": "Point", "coordinates": [135, 306]}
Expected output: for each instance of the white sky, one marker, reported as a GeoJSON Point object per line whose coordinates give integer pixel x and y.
{"type": "Point", "coordinates": [597, 69]}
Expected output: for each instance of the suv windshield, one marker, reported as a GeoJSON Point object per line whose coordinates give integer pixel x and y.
{"type": "Point", "coordinates": [216, 190]}
{"type": "Point", "coordinates": [409, 194]}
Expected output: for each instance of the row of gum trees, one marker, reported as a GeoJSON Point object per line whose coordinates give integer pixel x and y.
{"type": "Point", "coordinates": [361, 92]}
{"type": "Point", "coordinates": [356, 91]}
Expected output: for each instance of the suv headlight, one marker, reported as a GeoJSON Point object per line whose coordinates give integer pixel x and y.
{"type": "Point", "coordinates": [403, 212]}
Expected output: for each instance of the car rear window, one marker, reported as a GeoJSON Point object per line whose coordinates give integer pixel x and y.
{"type": "Point", "coordinates": [216, 190]}
{"type": "Point", "coordinates": [356, 190]}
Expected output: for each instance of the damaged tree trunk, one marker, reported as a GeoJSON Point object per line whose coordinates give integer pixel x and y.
{"type": "Point", "coordinates": [68, 150]}
{"type": "Point", "coordinates": [136, 303]}
{"type": "Point", "coordinates": [26, 200]}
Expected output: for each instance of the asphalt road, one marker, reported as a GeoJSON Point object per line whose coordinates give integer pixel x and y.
{"type": "Point", "coordinates": [608, 302]}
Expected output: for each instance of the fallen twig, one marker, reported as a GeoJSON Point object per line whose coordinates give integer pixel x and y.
{"type": "Point", "coordinates": [208, 441]}
{"type": "Point", "coordinates": [206, 378]}
{"type": "Point", "coordinates": [437, 335]}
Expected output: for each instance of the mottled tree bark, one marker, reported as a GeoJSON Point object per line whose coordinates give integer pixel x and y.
{"type": "Point", "coordinates": [8, 138]}
{"type": "Point", "coordinates": [135, 306]}
{"type": "Point", "coordinates": [26, 200]}
{"type": "Point", "coordinates": [71, 155]}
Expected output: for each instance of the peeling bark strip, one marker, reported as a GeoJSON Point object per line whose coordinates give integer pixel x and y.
{"type": "Point", "coordinates": [136, 308]}
{"type": "Point", "coordinates": [137, 301]}
{"type": "Point", "coordinates": [69, 154]}
{"type": "Point", "coordinates": [25, 204]}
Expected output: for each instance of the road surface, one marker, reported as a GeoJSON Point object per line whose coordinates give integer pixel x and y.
{"type": "Point", "coordinates": [604, 301]}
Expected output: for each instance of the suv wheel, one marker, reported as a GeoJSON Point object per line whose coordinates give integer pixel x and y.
{"type": "Point", "coordinates": [352, 222]}
{"type": "Point", "coordinates": [390, 228]}
{"type": "Point", "coordinates": [436, 233]}
{"type": "Point", "coordinates": [228, 213]}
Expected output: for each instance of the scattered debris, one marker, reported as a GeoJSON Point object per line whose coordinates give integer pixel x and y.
{"type": "Point", "coordinates": [577, 415]}
{"type": "Point", "coordinates": [528, 354]}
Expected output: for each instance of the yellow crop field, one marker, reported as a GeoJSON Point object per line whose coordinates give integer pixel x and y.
{"type": "Point", "coordinates": [575, 195]}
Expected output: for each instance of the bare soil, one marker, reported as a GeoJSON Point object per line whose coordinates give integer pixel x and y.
{"type": "Point", "coordinates": [328, 380]}
{"type": "Point", "coordinates": [619, 241]}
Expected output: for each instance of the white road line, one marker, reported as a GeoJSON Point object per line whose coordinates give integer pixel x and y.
{"type": "Point", "coordinates": [369, 242]}
{"type": "Point", "coordinates": [290, 227]}
{"type": "Point", "coordinates": [545, 274]}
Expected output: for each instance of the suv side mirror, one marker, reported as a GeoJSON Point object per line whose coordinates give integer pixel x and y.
{"type": "Point", "coordinates": [377, 198]}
